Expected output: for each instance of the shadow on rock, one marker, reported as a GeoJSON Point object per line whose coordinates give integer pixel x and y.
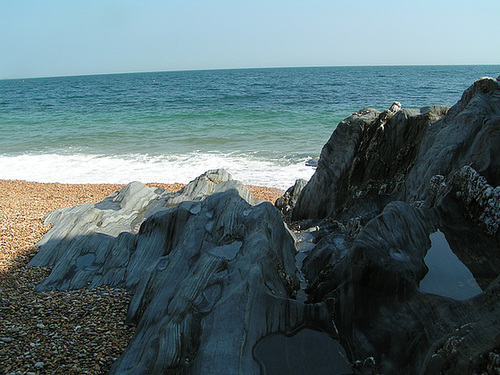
{"type": "Point", "coordinates": [404, 210]}
{"type": "Point", "coordinates": [212, 271]}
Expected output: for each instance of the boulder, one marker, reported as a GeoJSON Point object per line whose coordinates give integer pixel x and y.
{"type": "Point", "coordinates": [287, 201]}
{"type": "Point", "coordinates": [212, 271]}
{"type": "Point", "coordinates": [373, 157]}
{"type": "Point", "coordinates": [411, 266]}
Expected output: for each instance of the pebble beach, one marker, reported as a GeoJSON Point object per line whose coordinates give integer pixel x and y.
{"type": "Point", "coordinates": [58, 332]}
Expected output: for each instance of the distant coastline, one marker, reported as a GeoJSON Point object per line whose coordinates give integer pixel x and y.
{"type": "Point", "coordinates": [229, 69]}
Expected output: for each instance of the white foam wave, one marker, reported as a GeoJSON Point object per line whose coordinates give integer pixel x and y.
{"type": "Point", "coordinates": [85, 168]}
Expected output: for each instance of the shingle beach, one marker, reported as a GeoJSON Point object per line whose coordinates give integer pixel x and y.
{"type": "Point", "coordinates": [58, 332]}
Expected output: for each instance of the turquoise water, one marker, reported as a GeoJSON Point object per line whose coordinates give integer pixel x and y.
{"type": "Point", "coordinates": [262, 125]}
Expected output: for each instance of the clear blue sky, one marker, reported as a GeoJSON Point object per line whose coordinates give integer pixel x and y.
{"type": "Point", "coordinates": [71, 37]}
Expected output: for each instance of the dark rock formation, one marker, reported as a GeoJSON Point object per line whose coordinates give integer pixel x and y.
{"type": "Point", "coordinates": [439, 168]}
{"type": "Point", "coordinates": [375, 157]}
{"type": "Point", "coordinates": [468, 135]}
{"type": "Point", "coordinates": [379, 308]}
{"type": "Point", "coordinates": [286, 202]}
{"type": "Point", "coordinates": [363, 165]}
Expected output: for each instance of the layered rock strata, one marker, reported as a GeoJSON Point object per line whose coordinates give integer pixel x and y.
{"type": "Point", "coordinates": [212, 271]}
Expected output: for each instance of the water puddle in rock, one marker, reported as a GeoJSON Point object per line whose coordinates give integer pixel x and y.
{"type": "Point", "coordinates": [304, 244]}
{"type": "Point", "coordinates": [447, 275]}
{"type": "Point", "coordinates": [307, 352]}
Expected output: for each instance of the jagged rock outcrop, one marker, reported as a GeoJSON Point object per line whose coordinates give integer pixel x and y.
{"type": "Point", "coordinates": [412, 194]}
{"type": "Point", "coordinates": [469, 135]}
{"type": "Point", "coordinates": [363, 165]}
{"type": "Point", "coordinates": [373, 157]}
{"type": "Point", "coordinates": [381, 312]}
{"type": "Point", "coordinates": [86, 244]}
{"type": "Point", "coordinates": [287, 201]}
{"type": "Point", "coordinates": [213, 274]}
{"type": "Point", "coordinates": [222, 281]}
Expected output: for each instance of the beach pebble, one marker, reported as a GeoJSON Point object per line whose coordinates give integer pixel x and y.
{"type": "Point", "coordinates": [39, 365]}
{"type": "Point", "coordinates": [24, 206]}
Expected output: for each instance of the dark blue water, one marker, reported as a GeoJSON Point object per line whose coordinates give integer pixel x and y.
{"type": "Point", "coordinates": [447, 275]}
{"type": "Point", "coordinates": [260, 124]}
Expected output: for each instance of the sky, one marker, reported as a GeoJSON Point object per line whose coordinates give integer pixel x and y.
{"type": "Point", "coordinates": [77, 37]}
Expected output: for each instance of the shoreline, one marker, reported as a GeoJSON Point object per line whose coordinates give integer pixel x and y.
{"type": "Point", "coordinates": [71, 332]}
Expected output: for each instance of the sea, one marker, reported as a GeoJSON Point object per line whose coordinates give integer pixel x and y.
{"type": "Point", "coordinates": [264, 126]}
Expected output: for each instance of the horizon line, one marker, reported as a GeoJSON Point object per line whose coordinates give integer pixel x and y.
{"type": "Point", "coordinates": [237, 68]}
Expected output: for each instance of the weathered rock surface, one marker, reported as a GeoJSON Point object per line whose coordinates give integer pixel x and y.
{"type": "Point", "coordinates": [86, 245]}
{"type": "Point", "coordinates": [379, 308]}
{"type": "Point", "coordinates": [404, 207]}
{"type": "Point", "coordinates": [363, 165]}
{"type": "Point", "coordinates": [468, 135]}
{"type": "Point", "coordinates": [387, 187]}
{"type": "Point", "coordinates": [213, 273]}
{"type": "Point", "coordinates": [286, 202]}
{"type": "Point", "coordinates": [375, 157]}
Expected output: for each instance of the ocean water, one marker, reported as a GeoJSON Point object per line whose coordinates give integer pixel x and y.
{"type": "Point", "coordinates": [262, 125]}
